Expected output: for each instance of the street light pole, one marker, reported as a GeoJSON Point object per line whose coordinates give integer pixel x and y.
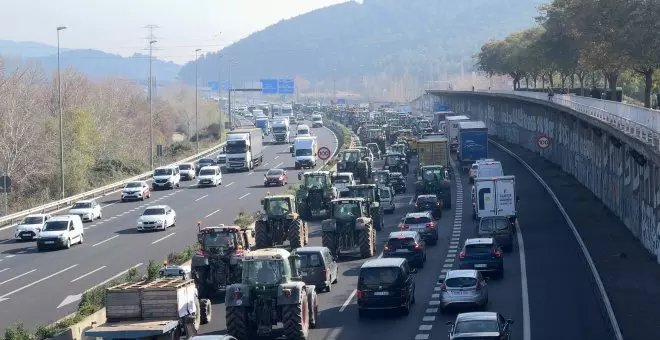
{"type": "Point", "coordinates": [151, 112]}
{"type": "Point", "coordinates": [59, 104]}
{"type": "Point", "coordinates": [229, 92]}
{"type": "Point", "coordinates": [196, 100]}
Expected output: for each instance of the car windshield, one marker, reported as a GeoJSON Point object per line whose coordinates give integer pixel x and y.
{"type": "Point", "coordinates": [401, 242]}
{"type": "Point", "coordinates": [310, 260]}
{"type": "Point", "coordinates": [347, 211]}
{"type": "Point", "coordinates": [33, 220]}
{"type": "Point", "coordinates": [82, 205]}
{"type": "Point", "coordinates": [207, 172]}
{"type": "Point", "coordinates": [476, 326]}
{"type": "Point", "coordinates": [303, 152]}
{"type": "Point", "coordinates": [213, 239]}
{"type": "Point", "coordinates": [162, 172]}
{"type": "Point", "coordinates": [275, 173]}
{"type": "Point", "coordinates": [206, 161]}
{"type": "Point", "coordinates": [478, 248]}
{"type": "Point", "coordinates": [427, 199]}
{"type": "Point", "coordinates": [303, 132]}
{"type": "Point", "coordinates": [153, 211]}
{"type": "Point", "coordinates": [133, 185]}
{"type": "Point", "coordinates": [461, 282]}
{"type": "Point", "coordinates": [365, 193]}
{"type": "Point", "coordinates": [379, 276]}
{"type": "Point", "coordinates": [384, 194]}
{"type": "Point", "coordinates": [493, 224]}
{"type": "Point", "coordinates": [56, 225]}
{"type": "Point", "coordinates": [185, 167]}
{"type": "Point", "coordinates": [433, 174]}
{"type": "Point", "coordinates": [342, 179]}
{"type": "Point", "coordinates": [264, 272]}
{"type": "Point", "coordinates": [417, 220]}
{"type": "Point", "coordinates": [351, 156]}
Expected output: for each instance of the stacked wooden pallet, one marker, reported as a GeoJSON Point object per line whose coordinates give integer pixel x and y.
{"type": "Point", "coordinates": [148, 300]}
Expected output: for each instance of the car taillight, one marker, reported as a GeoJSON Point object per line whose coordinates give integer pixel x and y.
{"type": "Point", "coordinates": [461, 255]}
{"type": "Point", "coordinates": [417, 247]}
{"type": "Point", "coordinates": [497, 253]}
{"type": "Point", "coordinates": [430, 225]}
{"type": "Point", "coordinates": [200, 253]}
{"type": "Point", "coordinates": [237, 295]}
{"type": "Point", "coordinates": [478, 285]}
{"type": "Point", "coordinates": [361, 295]}
{"type": "Point", "coordinates": [324, 272]}
{"type": "Point", "coordinates": [437, 203]}
{"type": "Point", "coordinates": [405, 226]}
{"type": "Point", "coordinates": [386, 248]}
{"type": "Point", "coordinates": [443, 287]}
{"type": "Point", "coordinates": [403, 293]}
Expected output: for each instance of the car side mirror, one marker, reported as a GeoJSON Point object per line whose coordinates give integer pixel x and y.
{"type": "Point", "coordinates": [510, 321]}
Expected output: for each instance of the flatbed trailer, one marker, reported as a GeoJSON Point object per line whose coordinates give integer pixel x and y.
{"type": "Point", "coordinates": [138, 329]}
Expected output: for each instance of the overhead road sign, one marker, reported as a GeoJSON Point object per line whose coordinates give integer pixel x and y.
{"type": "Point", "coordinates": [214, 85]}
{"type": "Point", "coordinates": [341, 101]}
{"type": "Point", "coordinates": [437, 107]}
{"type": "Point", "coordinates": [286, 86]}
{"type": "Point", "coordinates": [269, 86]}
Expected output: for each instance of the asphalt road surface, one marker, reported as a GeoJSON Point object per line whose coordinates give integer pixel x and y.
{"type": "Point", "coordinates": [33, 285]}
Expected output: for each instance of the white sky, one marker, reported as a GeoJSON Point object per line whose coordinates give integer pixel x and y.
{"type": "Point", "coordinates": [117, 26]}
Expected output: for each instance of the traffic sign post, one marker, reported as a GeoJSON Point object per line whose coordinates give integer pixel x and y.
{"type": "Point", "coordinates": [159, 153]}
{"type": "Point", "coordinates": [5, 182]}
{"type": "Point", "coordinates": [324, 153]}
{"type": "Point", "coordinates": [543, 142]}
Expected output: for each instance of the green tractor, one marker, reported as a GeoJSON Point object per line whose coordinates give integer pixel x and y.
{"type": "Point", "coordinates": [370, 194]}
{"type": "Point", "coordinates": [278, 222]}
{"type": "Point", "coordinates": [271, 292]}
{"type": "Point", "coordinates": [350, 228]}
{"type": "Point", "coordinates": [435, 180]}
{"type": "Point", "coordinates": [315, 194]}
{"type": "Point", "coordinates": [353, 160]}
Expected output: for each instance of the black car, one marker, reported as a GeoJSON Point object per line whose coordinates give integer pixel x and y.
{"type": "Point", "coordinates": [386, 283]}
{"type": "Point", "coordinates": [429, 203]}
{"type": "Point", "coordinates": [204, 162]}
{"type": "Point", "coordinates": [398, 182]}
{"type": "Point", "coordinates": [406, 244]}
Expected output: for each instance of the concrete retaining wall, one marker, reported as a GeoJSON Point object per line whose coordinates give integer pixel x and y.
{"type": "Point", "coordinates": [620, 170]}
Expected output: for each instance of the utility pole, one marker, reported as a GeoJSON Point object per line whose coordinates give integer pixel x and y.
{"type": "Point", "coordinates": [152, 40]}
{"type": "Point", "coordinates": [59, 104]}
{"type": "Point", "coordinates": [231, 61]}
{"type": "Point", "coordinates": [334, 86]}
{"type": "Point", "coordinates": [197, 99]}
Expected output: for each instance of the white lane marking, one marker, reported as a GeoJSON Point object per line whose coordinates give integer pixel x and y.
{"type": "Point", "coordinates": [230, 184]}
{"type": "Point", "coordinates": [22, 252]}
{"type": "Point", "coordinates": [278, 165]}
{"type": "Point", "coordinates": [209, 215]}
{"type": "Point", "coordinates": [265, 163]}
{"type": "Point", "coordinates": [4, 297]}
{"type": "Point", "coordinates": [348, 301]}
{"type": "Point", "coordinates": [17, 277]}
{"type": "Point", "coordinates": [429, 318]}
{"type": "Point", "coordinates": [112, 218]}
{"type": "Point", "coordinates": [106, 240]}
{"type": "Point", "coordinates": [431, 310]}
{"type": "Point", "coordinates": [162, 238]}
{"type": "Point", "coordinates": [434, 303]}
{"type": "Point", "coordinates": [107, 205]}
{"type": "Point", "coordinates": [422, 336]}
{"type": "Point", "coordinates": [4, 270]}
{"type": "Point", "coordinates": [88, 274]}
{"type": "Point", "coordinates": [10, 256]}
{"type": "Point", "coordinates": [116, 276]}
{"type": "Point", "coordinates": [201, 198]}
{"type": "Point", "coordinates": [425, 327]}
{"type": "Point", "coordinates": [244, 196]}
{"type": "Point", "coordinates": [251, 173]}
{"type": "Point", "coordinates": [527, 334]}
{"type": "Point", "coordinates": [276, 157]}
{"type": "Point", "coordinates": [412, 200]}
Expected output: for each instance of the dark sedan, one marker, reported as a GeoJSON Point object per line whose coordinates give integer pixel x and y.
{"type": "Point", "coordinates": [275, 177]}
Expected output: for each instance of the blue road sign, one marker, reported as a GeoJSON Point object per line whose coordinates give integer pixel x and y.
{"type": "Point", "coordinates": [285, 86]}
{"type": "Point", "coordinates": [438, 107]}
{"type": "Point", "coordinates": [269, 86]}
{"type": "Point", "coordinates": [225, 85]}
{"type": "Point", "coordinates": [213, 84]}
{"type": "Point", "coordinates": [282, 97]}
{"type": "Point", "coordinates": [341, 101]}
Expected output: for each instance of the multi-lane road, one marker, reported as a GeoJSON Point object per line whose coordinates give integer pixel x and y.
{"type": "Point", "coordinates": [33, 285]}
{"type": "Point", "coordinates": [547, 289]}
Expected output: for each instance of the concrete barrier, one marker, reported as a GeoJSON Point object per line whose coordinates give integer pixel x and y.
{"type": "Point", "coordinates": [612, 157]}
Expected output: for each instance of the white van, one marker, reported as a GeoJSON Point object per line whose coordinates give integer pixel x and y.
{"type": "Point", "coordinates": [166, 177]}
{"type": "Point", "coordinates": [303, 131]}
{"type": "Point", "coordinates": [209, 176]}
{"type": "Point", "coordinates": [61, 232]}
{"type": "Point", "coordinates": [187, 171]}
{"type": "Point", "coordinates": [317, 121]}
{"type": "Point", "coordinates": [305, 152]}
{"type": "Point", "coordinates": [486, 168]}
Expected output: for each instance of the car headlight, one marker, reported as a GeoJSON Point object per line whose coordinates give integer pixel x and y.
{"type": "Point", "coordinates": [140, 223]}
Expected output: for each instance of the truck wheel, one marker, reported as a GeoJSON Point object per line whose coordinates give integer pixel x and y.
{"type": "Point", "coordinates": [328, 241]}
{"type": "Point", "coordinates": [366, 242]}
{"type": "Point", "coordinates": [262, 239]}
{"type": "Point", "coordinates": [237, 323]}
{"type": "Point", "coordinates": [296, 234]}
{"type": "Point", "coordinates": [296, 320]}
{"type": "Point", "coordinates": [205, 311]}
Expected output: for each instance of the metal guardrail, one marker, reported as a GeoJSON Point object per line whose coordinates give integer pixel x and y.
{"type": "Point", "coordinates": [639, 123]}
{"type": "Point", "coordinates": [99, 192]}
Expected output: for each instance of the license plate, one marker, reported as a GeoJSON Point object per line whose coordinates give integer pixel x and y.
{"type": "Point", "coordinates": [381, 293]}
{"type": "Point", "coordinates": [402, 250]}
{"type": "Point", "coordinates": [480, 265]}
{"type": "Point", "coordinates": [49, 242]}
{"type": "Point", "coordinates": [460, 293]}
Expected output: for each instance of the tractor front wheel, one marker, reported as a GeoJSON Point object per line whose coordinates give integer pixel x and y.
{"type": "Point", "coordinates": [262, 239]}
{"type": "Point", "coordinates": [296, 234]}
{"type": "Point", "coordinates": [296, 320]}
{"type": "Point", "coordinates": [238, 323]}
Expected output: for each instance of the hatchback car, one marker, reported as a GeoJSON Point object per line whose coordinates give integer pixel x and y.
{"type": "Point", "coordinates": [318, 267]}
{"type": "Point", "coordinates": [421, 222]}
{"type": "Point", "coordinates": [429, 203]}
{"type": "Point", "coordinates": [482, 254]}
{"type": "Point", "coordinates": [398, 182]}
{"type": "Point", "coordinates": [135, 190]}
{"type": "Point", "coordinates": [30, 227]}
{"type": "Point", "coordinates": [385, 284]}
{"type": "Point", "coordinates": [275, 177]}
{"type": "Point", "coordinates": [480, 325]}
{"type": "Point", "coordinates": [498, 227]}
{"type": "Point", "coordinates": [408, 245]}
{"type": "Point", "coordinates": [387, 199]}
{"type": "Point", "coordinates": [463, 288]}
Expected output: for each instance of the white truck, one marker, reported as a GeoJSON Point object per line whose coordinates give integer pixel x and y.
{"type": "Point", "coordinates": [245, 149]}
{"type": "Point", "coordinates": [494, 196]}
{"type": "Point", "coordinates": [451, 128]}
{"type": "Point", "coordinates": [305, 153]}
{"type": "Point", "coordinates": [280, 130]}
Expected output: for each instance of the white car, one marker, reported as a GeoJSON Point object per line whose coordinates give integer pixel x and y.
{"type": "Point", "coordinates": [209, 176]}
{"type": "Point", "coordinates": [30, 227]}
{"type": "Point", "coordinates": [88, 210]}
{"type": "Point", "coordinates": [156, 217]}
{"type": "Point", "coordinates": [135, 190]}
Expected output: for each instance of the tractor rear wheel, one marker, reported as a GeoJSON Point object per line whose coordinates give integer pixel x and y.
{"type": "Point", "coordinates": [296, 320]}
{"type": "Point", "coordinates": [237, 323]}
{"type": "Point", "coordinates": [296, 234]}
{"type": "Point", "coordinates": [261, 237]}
{"type": "Point", "coordinates": [328, 241]}
{"type": "Point", "coordinates": [205, 311]}
{"type": "Point", "coordinates": [366, 241]}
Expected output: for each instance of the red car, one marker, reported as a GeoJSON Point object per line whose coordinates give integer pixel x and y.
{"type": "Point", "coordinates": [275, 177]}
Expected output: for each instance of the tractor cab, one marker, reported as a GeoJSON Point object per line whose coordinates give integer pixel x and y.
{"type": "Point", "coordinates": [396, 162]}
{"type": "Point", "coordinates": [278, 206]}
{"type": "Point", "coordinates": [349, 209]}
{"type": "Point", "coordinates": [319, 180]}
{"type": "Point", "coordinates": [270, 266]}
{"type": "Point", "coordinates": [434, 174]}
{"type": "Point", "coordinates": [382, 178]}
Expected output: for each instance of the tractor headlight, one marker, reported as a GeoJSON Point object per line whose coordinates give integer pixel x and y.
{"type": "Point", "coordinates": [264, 218]}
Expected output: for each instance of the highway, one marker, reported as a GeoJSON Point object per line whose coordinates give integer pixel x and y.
{"type": "Point", "coordinates": [33, 285]}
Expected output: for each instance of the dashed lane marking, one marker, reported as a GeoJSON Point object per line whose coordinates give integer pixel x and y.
{"type": "Point", "coordinates": [4, 270]}
{"type": "Point", "coordinates": [211, 214]}
{"type": "Point", "coordinates": [106, 240]}
{"type": "Point", "coordinates": [162, 238]}
{"type": "Point", "coordinates": [230, 184]}
{"type": "Point", "coordinates": [88, 274]}
{"type": "Point", "coordinates": [244, 196]}
{"type": "Point", "coordinates": [201, 198]}
{"type": "Point", "coordinates": [17, 277]}
{"type": "Point", "coordinates": [9, 256]}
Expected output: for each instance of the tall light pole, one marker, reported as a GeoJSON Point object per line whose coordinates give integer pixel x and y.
{"type": "Point", "coordinates": [230, 61]}
{"type": "Point", "coordinates": [151, 112]}
{"type": "Point", "coordinates": [196, 100]}
{"type": "Point", "coordinates": [59, 104]}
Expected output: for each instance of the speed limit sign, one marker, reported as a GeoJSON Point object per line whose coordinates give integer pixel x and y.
{"type": "Point", "coordinates": [324, 153]}
{"type": "Point", "coordinates": [543, 142]}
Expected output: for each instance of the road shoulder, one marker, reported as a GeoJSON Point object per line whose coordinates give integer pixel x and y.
{"type": "Point", "coordinates": [629, 272]}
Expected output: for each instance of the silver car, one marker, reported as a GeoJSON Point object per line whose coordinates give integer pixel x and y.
{"type": "Point", "coordinates": [463, 288]}
{"type": "Point", "coordinates": [480, 325]}
{"type": "Point", "coordinates": [387, 199]}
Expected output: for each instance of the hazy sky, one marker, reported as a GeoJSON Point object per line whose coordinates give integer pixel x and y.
{"type": "Point", "coordinates": [117, 26]}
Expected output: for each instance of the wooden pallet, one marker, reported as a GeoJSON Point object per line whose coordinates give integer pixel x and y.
{"type": "Point", "coordinates": [146, 299]}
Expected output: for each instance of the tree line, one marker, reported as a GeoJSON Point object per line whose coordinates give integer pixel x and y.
{"type": "Point", "coordinates": [580, 41]}
{"type": "Point", "coordinates": [106, 131]}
